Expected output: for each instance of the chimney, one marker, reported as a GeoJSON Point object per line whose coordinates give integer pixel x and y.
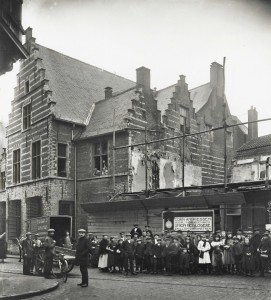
{"type": "Point", "coordinates": [143, 78]}
{"type": "Point", "coordinates": [252, 127]}
{"type": "Point", "coordinates": [216, 78]}
{"type": "Point", "coordinates": [108, 92]}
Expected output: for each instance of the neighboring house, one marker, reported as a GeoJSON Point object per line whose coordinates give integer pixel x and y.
{"type": "Point", "coordinates": [249, 164]}
{"type": "Point", "coordinates": [60, 137]}
{"type": "Point", "coordinates": [11, 32]}
{"type": "Point", "coordinates": [3, 145]}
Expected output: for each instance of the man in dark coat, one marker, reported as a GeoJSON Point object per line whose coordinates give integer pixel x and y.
{"type": "Point", "coordinates": [255, 243]}
{"type": "Point", "coordinates": [28, 253]}
{"type": "Point", "coordinates": [49, 245]}
{"type": "Point", "coordinates": [129, 254]}
{"type": "Point", "coordinates": [265, 252]}
{"type": "Point", "coordinates": [136, 230]}
{"type": "Point", "coordinates": [82, 256]}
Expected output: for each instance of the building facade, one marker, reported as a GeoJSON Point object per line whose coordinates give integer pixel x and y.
{"type": "Point", "coordinates": [70, 126]}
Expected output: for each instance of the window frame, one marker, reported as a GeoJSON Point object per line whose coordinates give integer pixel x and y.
{"type": "Point", "coordinates": [26, 86]}
{"type": "Point", "coordinates": [35, 174]}
{"type": "Point", "coordinates": [62, 158]}
{"type": "Point", "coordinates": [16, 167]}
{"type": "Point", "coordinates": [26, 116]}
{"type": "Point", "coordinates": [3, 180]}
{"type": "Point", "coordinates": [101, 156]}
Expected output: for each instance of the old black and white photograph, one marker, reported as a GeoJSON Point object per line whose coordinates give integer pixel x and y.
{"type": "Point", "coordinates": [135, 149]}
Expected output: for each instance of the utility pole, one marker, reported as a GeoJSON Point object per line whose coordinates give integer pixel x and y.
{"type": "Point", "coordinates": [183, 156]}
{"type": "Point", "coordinates": [225, 128]}
{"type": "Point", "coordinates": [114, 153]}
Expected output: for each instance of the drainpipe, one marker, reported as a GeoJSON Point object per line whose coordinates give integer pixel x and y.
{"type": "Point", "coordinates": [75, 182]}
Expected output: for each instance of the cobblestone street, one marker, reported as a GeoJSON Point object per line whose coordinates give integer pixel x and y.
{"type": "Point", "coordinates": [116, 286]}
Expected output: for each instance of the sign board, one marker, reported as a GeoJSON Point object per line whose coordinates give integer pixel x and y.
{"type": "Point", "coordinates": [193, 220]}
{"type": "Point", "coordinates": [268, 227]}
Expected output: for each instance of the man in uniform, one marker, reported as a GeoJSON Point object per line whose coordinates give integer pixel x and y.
{"type": "Point", "coordinates": [49, 245]}
{"type": "Point", "coordinates": [28, 252]}
{"type": "Point", "coordinates": [82, 256]}
{"type": "Point", "coordinates": [129, 254]}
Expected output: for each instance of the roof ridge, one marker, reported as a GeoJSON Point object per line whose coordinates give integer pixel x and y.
{"type": "Point", "coordinates": [198, 86]}
{"type": "Point", "coordinates": [167, 87]}
{"type": "Point", "coordinates": [257, 147]}
{"type": "Point", "coordinates": [103, 70]}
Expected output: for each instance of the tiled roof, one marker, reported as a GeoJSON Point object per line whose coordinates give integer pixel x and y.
{"type": "Point", "coordinates": [163, 98]}
{"type": "Point", "coordinates": [200, 95]}
{"type": "Point", "coordinates": [77, 85]}
{"type": "Point", "coordinates": [101, 121]}
{"type": "Point", "coordinates": [255, 147]}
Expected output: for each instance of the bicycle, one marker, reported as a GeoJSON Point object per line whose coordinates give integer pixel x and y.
{"type": "Point", "coordinates": [60, 267]}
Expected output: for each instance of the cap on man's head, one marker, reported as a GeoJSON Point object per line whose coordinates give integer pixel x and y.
{"type": "Point", "coordinates": [147, 226]}
{"type": "Point", "coordinates": [36, 234]}
{"type": "Point", "coordinates": [128, 234]}
{"type": "Point", "coordinates": [82, 230]}
{"type": "Point", "coordinates": [51, 230]}
{"type": "Point", "coordinates": [265, 234]}
{"type": "Point", "coordinates": [121, 232]}
{"type": "Point", "coordinates": [138, 240]}
{"type": "Point", "coordinates": [256, 229]}
{"type": "Point", "coordinates": [28, 233]}
{"type": "Point", "coordinates": [159, 239]}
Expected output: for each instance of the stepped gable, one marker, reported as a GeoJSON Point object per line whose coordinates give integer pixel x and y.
{"type": "Point", "coordinates": [255, 147]}
{"type": "Point", "coordinates": [101, 120]}
{"type": "Point", "coordinates": [200, 96]}
{"type": "Point", "coordinates": [76, 85]}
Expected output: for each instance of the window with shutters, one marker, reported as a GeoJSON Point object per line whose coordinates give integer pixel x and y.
{"type": "Point", "coordinates": [3, 181]}
{"type": "Point", "coordinates": [14, 219]}
{"type": "Point", "coordinates": [36, 160]}
{"type": "Point", "coordinates": [2, 217]}
{"type": "Point", "coordinates": [62, 160]}
{"type": "Point", "coordinates": [16, 166]}
{"type": "Point", "coordinates": [26, 116]}
{"type": "Point", "coordinates": [33, 207]}
{"type": "Point", "coordinates": [100, 158]}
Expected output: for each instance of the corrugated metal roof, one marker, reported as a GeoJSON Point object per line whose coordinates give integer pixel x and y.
{"type": "Point", "coordinates": [76, 85]}
{"type": "Point", "coordinates": [206, 201]}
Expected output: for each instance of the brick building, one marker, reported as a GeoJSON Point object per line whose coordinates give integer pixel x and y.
{"type": "Point", "coordinates": [60, 138]}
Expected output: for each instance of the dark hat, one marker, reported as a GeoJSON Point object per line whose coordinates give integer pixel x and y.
{"type": "Point", "coordinates": [147, 226]}
{"type": "Point", "coordinates": [28, 233]}
{"type": "Point", "coordinates": [239, 229]}
{"type": "Point", "coordinates": [148, 238]}
{"type": "Point", "coordinates": [82, 230]}
{"type": "Point", "coordinates": [256, 229]}
{"type": "Point", "coordinates": [51, 230]}
{"type": "Point", "coordinates": [135, 224]}
{"type": "Point", "coordinates": [120, 240]}
{"type": "Point", "coordinates": [265, 234]}
{"type": "Point", "coordinates": [121, 232]}
{"type": "Point", "coordinates": [159, 239]}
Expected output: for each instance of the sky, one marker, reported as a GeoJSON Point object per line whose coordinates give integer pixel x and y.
{"type": "Point", "coordinates": [169, 37]}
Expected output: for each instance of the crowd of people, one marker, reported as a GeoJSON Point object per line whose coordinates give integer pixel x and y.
{"type": "Point", "coordinates": [245, 253]}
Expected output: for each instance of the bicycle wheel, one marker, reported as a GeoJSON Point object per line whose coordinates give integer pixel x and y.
{"type": "Point", "coordinates": [64, 269]}
{"type": "Point", "coordinates": [39, 263]}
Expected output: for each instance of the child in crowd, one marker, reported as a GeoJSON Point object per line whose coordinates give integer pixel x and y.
{"type": "Point", "coordinates": [237, 251]}
{"type": "Point", "coordinates": [228, 255]}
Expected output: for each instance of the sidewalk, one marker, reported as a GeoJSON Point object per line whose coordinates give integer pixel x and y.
{"type": "Point", "coordinates": [15, 285]}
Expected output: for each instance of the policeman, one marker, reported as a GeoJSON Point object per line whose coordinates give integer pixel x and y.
{"type": "Point", "coordinates": [49, 245]}
{"type": "Point", "coordinates": [82, 256]}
